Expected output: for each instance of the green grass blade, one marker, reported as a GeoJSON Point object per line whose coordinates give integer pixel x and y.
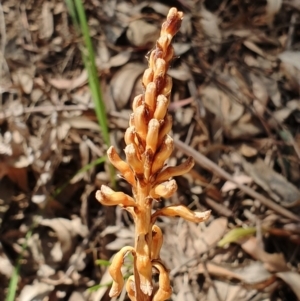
{"type": "Point", "coordinates": [13, 284]}
{"type": "Point", "coordinates": [77, 13]}
{"type": "Point", "coordinates": [89, 59]}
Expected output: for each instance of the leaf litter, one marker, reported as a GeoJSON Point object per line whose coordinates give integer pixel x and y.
{"type": "Point", "coordinates": [235, 101]}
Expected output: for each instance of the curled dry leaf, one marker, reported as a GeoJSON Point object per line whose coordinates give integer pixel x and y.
{"type": "Point", "coordinates": [292, 279]}
{"type": "Point", "coordinates": [211, 234]}
{"type": "Point", "coordinates": [142, 34]}
{"type": "Point", "coordinates": [123, 82]}
{"type": "Point", "coordinates": [69, 84]}
{"type": "Point", "coordinates": [36, 291]}
{"type": "Point", "coordinates": [66, 230]}
{"type": "Point", "coordinates": [253, 273]}
{"type": "Point", "coordinates": [274, 183]}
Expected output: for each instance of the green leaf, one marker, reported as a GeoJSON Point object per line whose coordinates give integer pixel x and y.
{"type": "Point", "coordinates": [103, 262]}
{"type": "Point", "coordinates": [236, 234]}
{"type": "Point", "coordinates": [98, 286]}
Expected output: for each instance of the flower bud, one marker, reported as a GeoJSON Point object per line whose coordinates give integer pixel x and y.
{"type": "Point", "coordinates": [137, 101]}
{"type": "Point", "coordinates": [148, 155]}
{"type": "Point", "coordinates": [151, 62]}
{"type": "Point", "coordinates": [159, 74]}
{"type": "Point", "coordinates": [141, 122]}
{"type": "Point", "coordinates": [109, 197]}
{"type": "Point", "coordinates": [129, 135]}
{"type": "Point", "coordinates": [152, 135]}
{"type": "Point", "coordinates": [115, 271]}
{"type": "Point", "coordinates": [169, 54]}
{"type": "Point", "coordinates": [167, 86]}
{"type": "Point", "coordinates": [150, 97]}
{"type": "Point", "coordinates": [173, 171]}
{"type": "Point", "coordinates": [121, 166]}
{"type": "Point", "coordinates": [163, 154]}
{"type": "Point", "coordinates": [182, 211]}
{"type": "Point", "coordinates": [157, 241]}
{"type": "Point", "coordinates": [160, 69]}
{"type": "Point", "coordinates": [162, 105]}
{"type": "Point", "coordinates": [164, 291]}
{"type": "Point", "coordinates": [133, 160]}
{"type": "Point", "coordinates": [147, 77]}
{"type": "Point", "coordinates": [164, 190]}
{"type": "Point", "coordinates": [173, 22]}
{"type": "Point", "coordinates": [163, 43]}
{"type": "Point", "coordinates": [165, 128]}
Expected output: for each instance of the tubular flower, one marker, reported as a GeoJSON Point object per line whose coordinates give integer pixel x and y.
{"type": "Point", "coordinates": [148, 147]}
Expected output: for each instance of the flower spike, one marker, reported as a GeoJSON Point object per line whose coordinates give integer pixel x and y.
{"type": "Point", "coordinates": [148, 148]}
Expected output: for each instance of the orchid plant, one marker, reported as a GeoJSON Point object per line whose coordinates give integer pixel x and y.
{"type": "Point", "coordinates": [148, 147]}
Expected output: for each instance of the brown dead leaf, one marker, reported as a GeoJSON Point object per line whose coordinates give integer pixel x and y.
{"type": "Point", "coordinates": [23, 78]}
{"type": "Point", "coordinates": [292, 279]}
{"type": "Point", "coordinates": [210, 26]}
{"type": "Point", "coordinates": [18, 176]}
{"type": "Point", "coordinates": [118, 60]}
{"type": "Point", "coordinates": [290, 65]}
{"type": "Point", "coordinates": [211, 234]}
{"type": "Point", "coordinates": [66, 230]}
{"type": "Point", "coordinates": [273, 262]}
{"type": "Point", "coordinates": [253, 274]}
{"type": "Point", "coordinates": [123, 82]}
{"type": "Point", "coordinates": [70, 84]}
{"type": "Point", "coordinates": [239, 178]}
{"type": "Point", "coordinates": [222, 291]}
{"type": "Point", "coordinates": [274, 183]}
{"type": "Point", "coordinates": [273, 7]}
{"type": "Point", "coordinates": [47, 26]}
{"type": "Point", "coordinates": [35, 291]}
{"type": "Point", "coordinates": [248, 151]}
{"type": "Point", "coordinates": [142, 34]}
{"type": "Point", "coordinates": [81, 122]}
{"type": "Point", "coordinates": [77, 296]}
{"type": "Point", "coordinates": [258, 50]}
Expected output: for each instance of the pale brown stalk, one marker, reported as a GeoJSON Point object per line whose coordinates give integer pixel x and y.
{"type": "Point", "coordinates": [148, 146]}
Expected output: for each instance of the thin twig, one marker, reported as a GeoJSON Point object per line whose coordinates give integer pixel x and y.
{"type": "Point", "coordinates": [209, 165]}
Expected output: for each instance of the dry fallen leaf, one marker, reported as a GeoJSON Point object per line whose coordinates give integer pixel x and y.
{"type": "Point", "coordinates": [273, 262]}
{"type": "Point", "coordinates": [210, 26]}
{"type": "Point", "coordinates": [222, 291]}
{"type": "Point", "coordinates": [292, 279]}
{"type": "Point", "coordinates": [211, 234]}
{"type": "Point", "coordinates": [253, 273]}
{"type": "Point", "coordinates": [274, 183]}
{"type": "Point", "coordinates": [66, 230]}
{"type": "Point", "coordinates": [123, 82]}
{"type": "Point", "coordinates": [47, 26]}
{"type": "Point", "coordinates": [273, 7]}
{"type": "Point", "coordinates": [36, 291]}
{"type": "Point", "coordinates": [142, 34]}
{"type": "Point", "coordinates": [290, 66]}
{"type": "Point", "coordinates": [70, 84]}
